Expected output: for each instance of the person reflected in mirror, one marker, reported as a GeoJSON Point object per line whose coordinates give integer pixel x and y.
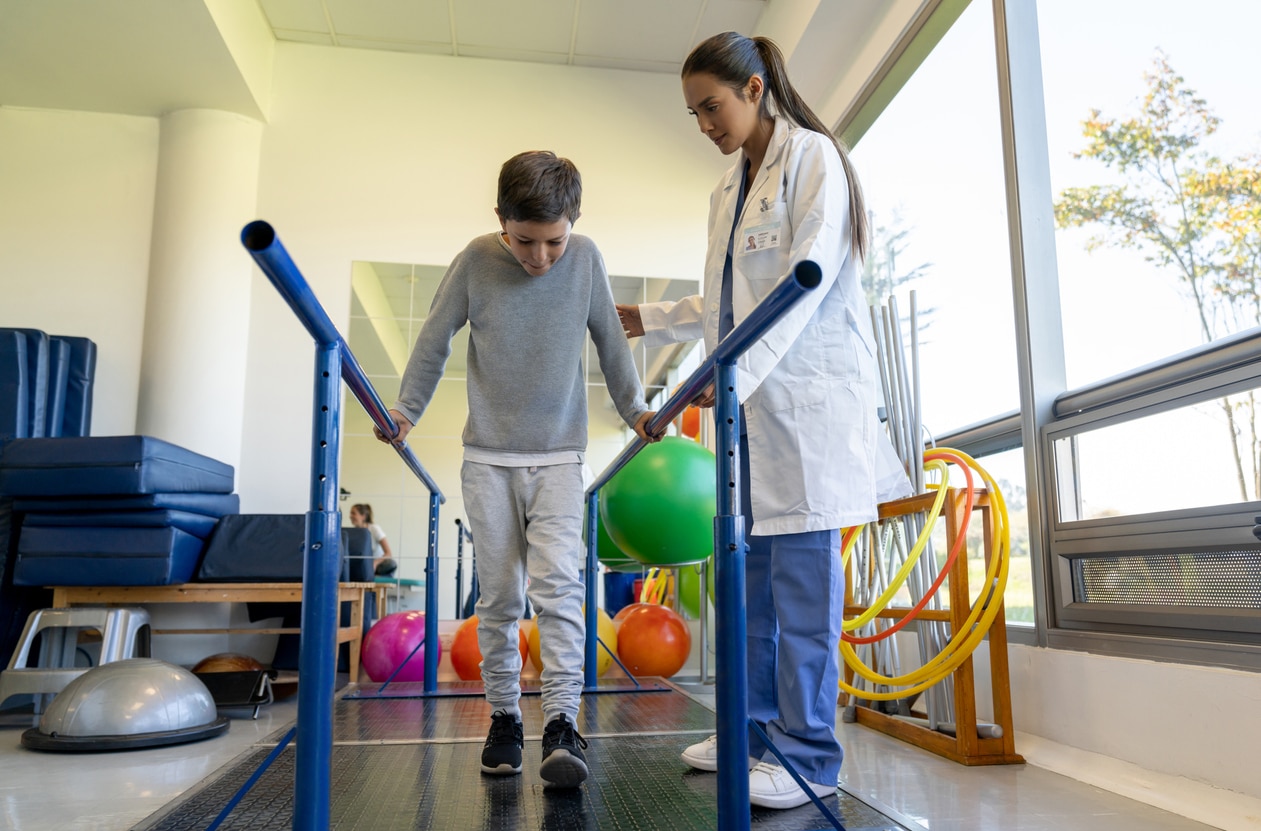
{"type": "Point", "coordinates": [382, 556]}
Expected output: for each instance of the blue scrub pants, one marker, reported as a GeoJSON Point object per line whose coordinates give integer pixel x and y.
{"type": "Point", "coordinates": [795, 592]}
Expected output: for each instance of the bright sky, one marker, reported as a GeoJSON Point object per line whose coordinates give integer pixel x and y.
{"type": "Point", "coordinates": [935, 158]}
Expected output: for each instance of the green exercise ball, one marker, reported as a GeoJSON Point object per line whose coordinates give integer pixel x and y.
{"type": "Point", "coordinates": [660, 507]}
{"type": "Point", "coordinates": [690, 587]}
{"type": "Point", "coordinates": [606, 551]}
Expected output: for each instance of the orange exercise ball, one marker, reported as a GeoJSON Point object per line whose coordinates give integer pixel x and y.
{"type": "Point", "coordinates": [227, 662]}
{"type": "Point", "coordinates": [652, 639]}
{"type": "Point", "coordinates": [606, 632]}
{"type": "Point", "coordinates": [466, 655]}
{"type": "Point", "coordinates": [691, 426]}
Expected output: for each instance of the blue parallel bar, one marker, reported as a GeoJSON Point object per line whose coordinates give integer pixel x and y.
{"type": "Point", "coordinates": [317, 656]}
{"type": "Point", "coordinates": [732, 696]}
{"type": "Point", "coordinates": [431, 597]}
{"type": "Point", "coordinates": [731, 693]}
{"type": "Point", "coordinates": [317, 661]}
{"type": "Point", "coordinates": [591, 678]}
{"type": "Point", "coordinates": [259, 238]}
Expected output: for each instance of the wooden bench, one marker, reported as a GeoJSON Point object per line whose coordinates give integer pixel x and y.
{"type": "Point", "coordinates": [352, 593]}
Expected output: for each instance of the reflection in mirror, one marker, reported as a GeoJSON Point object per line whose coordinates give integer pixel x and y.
{"type": "Point", "coordinates": [389, 303]}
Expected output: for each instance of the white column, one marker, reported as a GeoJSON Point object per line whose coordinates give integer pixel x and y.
{"type": "Point", "coordinates": [192, 374]}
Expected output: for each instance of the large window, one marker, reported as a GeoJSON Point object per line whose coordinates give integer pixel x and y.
{"type": "Point", "coordinates": [932, 171]}
{"type": "Point", "coordinates": [1154, 151]}
{"type": "Point", "coordinates": [1154, 139]}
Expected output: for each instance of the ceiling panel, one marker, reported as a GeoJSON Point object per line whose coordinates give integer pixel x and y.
{"type": "Point", "coordinates": [419, 21]}
{"type": "Point", "coordinates": [646, 30]}
{"type": "Point", "coordinates": [539, 26]}
{"type": "Point", "coordinates": [298, 15]}
{"type": "Point", "coordinates": [729, 16]}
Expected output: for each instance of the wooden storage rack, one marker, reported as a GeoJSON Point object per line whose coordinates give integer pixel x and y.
{"type": "Point", "coordinates": [966, 746]}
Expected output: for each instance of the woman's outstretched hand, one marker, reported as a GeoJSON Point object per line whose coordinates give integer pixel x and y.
{"type": "Point", "coordinates": [632, 324]}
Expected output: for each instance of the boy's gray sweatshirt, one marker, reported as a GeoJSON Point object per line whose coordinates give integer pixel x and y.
{"type": "Point", "coordinates": [527, 390]}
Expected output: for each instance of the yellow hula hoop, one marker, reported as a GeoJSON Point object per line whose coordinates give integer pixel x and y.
{"type": "Point", "coordinates": [895, 585]}
{"type": "Point", "coordinates": [971, 633]}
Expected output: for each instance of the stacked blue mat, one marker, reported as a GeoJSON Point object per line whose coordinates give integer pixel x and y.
{"type": "Point", "coordinates": [45, 384]}
{"type": "Point", "coordinates": [111, 510]}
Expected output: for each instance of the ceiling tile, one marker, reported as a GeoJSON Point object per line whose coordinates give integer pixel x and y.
{"type": "Point", "coordinates": [299, 15]}
{"type": "Point", "coordinates": [422, 21]}
{"type": "Point", "coordinates": [536, 26]}
{"type": "Point", "coordinates": [646, 30]}
{"type": "Point", "coordinates": [729, 16]}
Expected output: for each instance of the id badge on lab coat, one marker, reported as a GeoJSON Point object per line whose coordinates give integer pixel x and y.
{"type": "Point", "coordinates": [760, 237]}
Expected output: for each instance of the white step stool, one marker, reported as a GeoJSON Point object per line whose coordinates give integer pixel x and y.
{"type": "Point", "coordinates": [125, 633]}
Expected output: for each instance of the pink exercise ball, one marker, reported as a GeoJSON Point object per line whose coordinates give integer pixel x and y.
{"type": "Point", "coordinates": [388, 643]}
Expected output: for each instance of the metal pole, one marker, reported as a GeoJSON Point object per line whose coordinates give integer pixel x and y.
{"type": "Point", "coordinates": [317, 659]}
{"type": "Point", "coordinates": [732, 688]}
{"type": "Point", "coordinates": [590, 678]}
{"type": "Point", "coordinates": [459, 569]}
{"type": "Point", "coordinates": [431, 598]}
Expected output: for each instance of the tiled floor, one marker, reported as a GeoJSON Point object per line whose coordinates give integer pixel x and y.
{"type": "Point", "coordinates": [109, 792]}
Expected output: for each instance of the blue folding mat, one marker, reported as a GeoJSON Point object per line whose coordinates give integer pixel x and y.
{"type": "Point", "coordinates": [107, 466]}
{"type": "Point", "coordinates": [14, 393]}
{"type": "Point", "coordinates": [112, 510]}
{"type": "Point", "coordinates": [105, 556]}
{"type": "Point", "coordinates": [76, 414]}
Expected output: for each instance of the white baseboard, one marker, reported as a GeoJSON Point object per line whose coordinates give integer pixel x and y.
{"type": "Point", "coordinates": [1216, 807]}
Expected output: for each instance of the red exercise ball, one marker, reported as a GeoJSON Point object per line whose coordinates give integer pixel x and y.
{"type": "Point", "coordinates": [652, 639]}
{"type": "Point", "coordinates": [466, 655]}
{"type": "Point", "coordinates": [388, 644]}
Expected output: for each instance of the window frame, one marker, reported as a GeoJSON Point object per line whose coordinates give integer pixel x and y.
{"type": "Point", "coordinates": [1049, 411]}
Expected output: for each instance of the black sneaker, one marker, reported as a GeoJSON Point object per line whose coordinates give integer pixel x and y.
{"type": "Point", "coordinates": [563, 766]}
{"type": "Point", "coordinates": [501, 755]}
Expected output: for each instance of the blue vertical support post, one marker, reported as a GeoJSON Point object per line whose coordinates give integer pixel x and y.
{"type": "Point", "coordinates": [459, 569]}
{"type": "Point", "coordinates": [431, 598]}
{"type": "Point", "coordinates": [317, 660]}
{"type": "Point", "coordinates": [732, 687]}
{"type": "Point", "coordinates": [590, 678]}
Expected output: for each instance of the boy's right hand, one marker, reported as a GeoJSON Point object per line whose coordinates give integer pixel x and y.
{"type": "Point", "coordinates": [404, 427]}
{"type": "Point", "coordinates": [632, 323]}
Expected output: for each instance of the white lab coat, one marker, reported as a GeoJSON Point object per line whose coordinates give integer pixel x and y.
{"type": "Point", "coordinates": [810, 385]}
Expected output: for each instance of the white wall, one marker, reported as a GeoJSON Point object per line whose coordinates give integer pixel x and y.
{"type": "Point", "coordinates": [76, 207]}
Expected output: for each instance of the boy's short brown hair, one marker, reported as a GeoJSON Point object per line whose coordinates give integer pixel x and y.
{"type": "Point", "coordinates": [539, 186]}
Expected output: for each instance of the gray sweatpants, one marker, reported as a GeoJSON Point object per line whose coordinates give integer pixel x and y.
{"type": "Point", "coordinates": [527, 521]}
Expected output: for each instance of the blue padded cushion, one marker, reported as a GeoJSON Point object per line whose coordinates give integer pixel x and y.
{"type": "Point", "coordinates": [58, 376]}
{"type": "Point", "coordinates": [199, 525]}
{"type": "Point", "coordinates": [14, 387]}
{"type": "Point", "coordinates": [105, 557]}
{"type": "Point", "coordinates": [77, 420]}
{"type": "Point", "coordinates": [36, 380]}
{"type": "Point", "coordinates": [210, 504]}
{"type": "Point", "coordinates": [107, 465]}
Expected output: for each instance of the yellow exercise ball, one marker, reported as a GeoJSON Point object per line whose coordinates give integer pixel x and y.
{"type": "Point", "coordinates": [604, 659]}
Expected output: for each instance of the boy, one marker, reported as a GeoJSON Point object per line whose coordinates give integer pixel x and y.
{"type": "Point", "coordinates": [526, 436]}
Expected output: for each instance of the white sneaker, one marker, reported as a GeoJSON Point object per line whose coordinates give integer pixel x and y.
{"type": "Point", "coordinates": [704, 755]}
{"type": "Point", "coordinates": [770, 786]}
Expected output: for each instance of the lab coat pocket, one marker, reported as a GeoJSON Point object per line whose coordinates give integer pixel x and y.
{"type": "Point", "coordinates": [796, 394]}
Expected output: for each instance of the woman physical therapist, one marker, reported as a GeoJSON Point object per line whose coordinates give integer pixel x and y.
{"type": "Point", "coordinates": [808, 390]}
